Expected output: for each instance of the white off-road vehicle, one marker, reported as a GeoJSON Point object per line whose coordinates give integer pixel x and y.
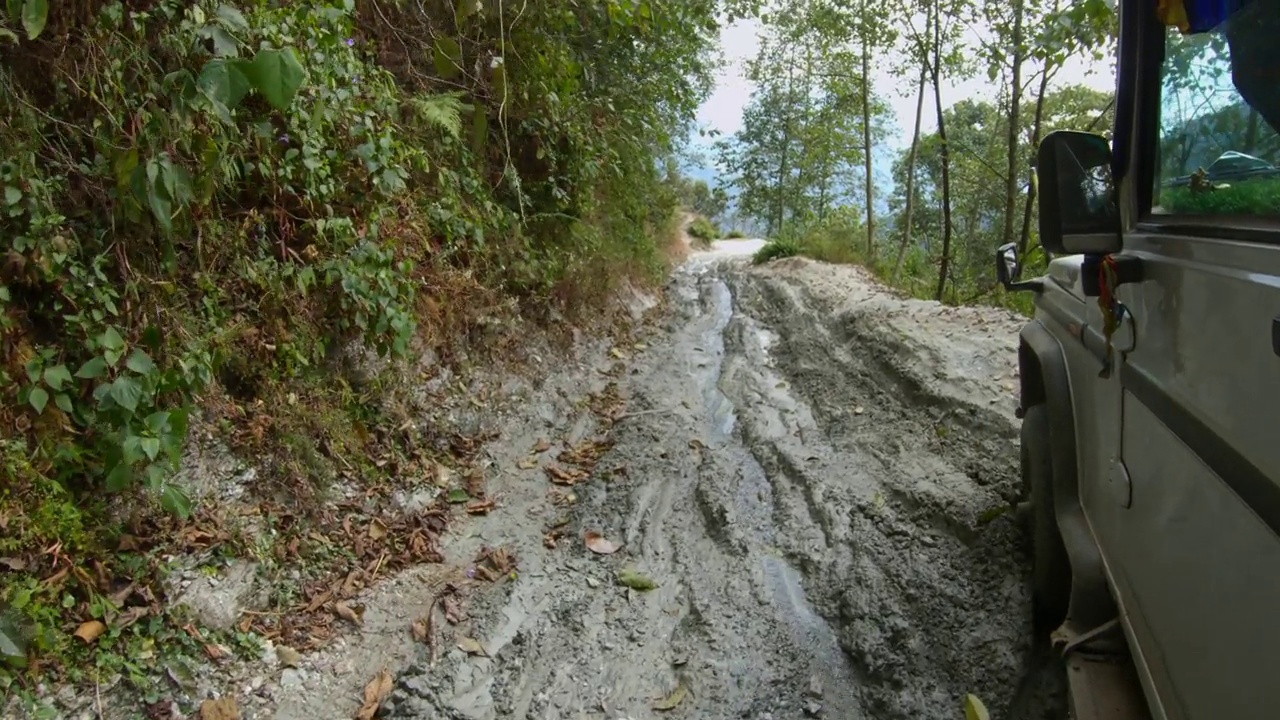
{"type": "Point", "coordinates": [1151, 376]}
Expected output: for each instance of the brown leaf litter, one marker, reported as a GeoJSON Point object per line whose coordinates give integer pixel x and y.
{"type": "Point", "coordinates": [375, 693]}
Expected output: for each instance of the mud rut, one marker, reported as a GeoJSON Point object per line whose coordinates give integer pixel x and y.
{"type": "Point", "coordinates": [817, 517]}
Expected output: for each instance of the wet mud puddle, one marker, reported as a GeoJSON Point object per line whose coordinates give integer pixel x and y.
{"type": "Point", "coordinates": [777, 583]}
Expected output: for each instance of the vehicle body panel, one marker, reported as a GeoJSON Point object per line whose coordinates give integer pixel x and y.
{"type": "Point", "coordinates": [1193, 559]}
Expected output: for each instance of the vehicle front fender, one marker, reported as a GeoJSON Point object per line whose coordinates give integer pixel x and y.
{"type": "Point", "coordinates": [1043, 371]}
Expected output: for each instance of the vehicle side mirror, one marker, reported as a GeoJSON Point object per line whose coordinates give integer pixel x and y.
{"type": "Point", "coordinates": [1009, 270]}
{"type": "Point", "coordinates": [1079, 202]}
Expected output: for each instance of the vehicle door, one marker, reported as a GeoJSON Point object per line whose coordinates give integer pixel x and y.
{"type": "Point", "coordinates": [1192, 540]}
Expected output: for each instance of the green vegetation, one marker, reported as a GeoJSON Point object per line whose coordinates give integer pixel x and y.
{"type": "Point", "coordinates": [206, 203]}
{"type": "Point", "coordinates": [802, 163]}
{"type": "Point", "coordinates": [1259, 196]}
{"type": "Point", "coordinates": [735, 235]}
{"type": "Point", "coordinates": [704, 230]}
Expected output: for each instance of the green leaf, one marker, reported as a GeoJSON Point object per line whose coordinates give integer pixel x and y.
{"type": "Point", "coordinates": [157, 420]}
{"type": "Point", "coordinates": [224, 43]}
{"type": "Point", "coordinates": [93, 369]}
{"type": "Point", "coordinates": [126, 392]}
{"type": "Point", "coordinates": [974, 709]}
{"type": "Point", "coordinates": [131, 449]}
{"type": "Point", "coordinates": [111, 340]}
{"type": "Point", "coordinates": [12, 195]}
{"type": "Point", "coordinates": [13, 641]}
{"type": "Point", "coordinates": [161, 207]}
{"type": "Point", "coordinates": [178, 420]}
{"type": "Point", "coordinates": [224, 82]}
{"type": "Point", "coordinates": [173, 499]}
{"type": "Point", "coordinates": [63, 401]}
{"type": "Point", "coordinates": [56, 376]}
{"type": "Point", "coordinates": [232, 18]}
{"type": "Point", "coordinates": [39, 398]}
{"type": "Point", "coordinates": [151, 446]}
{"type": "Point", "coordinates": [35, 13]}
{"type": "Point", "coordinates": [120, 477]}
{"type": "Point", "coordinates": [277, 74]}
{"type": "Point", "coordinates": [636, 580]}
{"type": "Point", "coordinates": [458, 495]}
{"type": "Point", "coordinates": [448, 58]}
{"type": "Point", "coordinates": [140, 362]}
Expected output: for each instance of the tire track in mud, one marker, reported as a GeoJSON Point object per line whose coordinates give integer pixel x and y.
{"type": "Point", "coordinates": [817, 549]}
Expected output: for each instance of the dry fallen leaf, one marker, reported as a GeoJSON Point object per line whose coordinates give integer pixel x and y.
{"type": "Point", "coordinates": [697, 444]}
{"type": "Point", "coordinates": [421, 629]}
{"type": "Point", "coordinates": [224, 708]}
{"type": "Point", "coordinates": [377, 530]}
{"type": "Point", "coordinates": [351, 613]}
{"type": "Point", "coordinates": [287, 656]}
{"type": "Point", "coordinates": [562, 476]}
{"type": "Point", "coordinates": [528, 463]}
{"type": "Point", "coordinates": [441, 476]}
{"type": "Point", "coordinates": [599, 545]}
{"type": "Point", "coordinates": [671, 701]}
{"type": "Point", "coordinates": [90, 631]}
{"type": "Point", "coordinates": [217, 652]}
{"type": "Point", "coordinates": [320, 600]}
{"type": "Point", "coordinates": [453, 609]}
{"type": "Point", "coordinates": [471, 646]}
{"type": "Point", "coordinates": [374, 693]}
{"type": "Point", "coordinates": [542, 446]}
{"type": "Point", "coordinates": [480, 507]}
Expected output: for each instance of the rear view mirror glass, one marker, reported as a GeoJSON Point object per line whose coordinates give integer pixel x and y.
{"type": "Point", "coordinates": [1079, 208]}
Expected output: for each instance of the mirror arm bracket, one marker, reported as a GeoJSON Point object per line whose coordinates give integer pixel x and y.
{"type": "Point", "coordinates": [1032, 285]}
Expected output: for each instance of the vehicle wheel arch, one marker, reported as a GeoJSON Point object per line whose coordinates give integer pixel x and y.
{"type": "Point", "coordinates": [1044, 379]}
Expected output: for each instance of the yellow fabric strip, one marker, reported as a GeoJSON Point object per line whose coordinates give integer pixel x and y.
{"type": "Point", "coordinates": [1173, 12]}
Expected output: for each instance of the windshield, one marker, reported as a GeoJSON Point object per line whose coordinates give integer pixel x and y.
{"type": "Point", "coordinates": [1219, 109]}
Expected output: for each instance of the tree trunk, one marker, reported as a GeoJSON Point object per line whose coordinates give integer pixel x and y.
{"type": "Point", "coordinates": [866, 141]}
{"type": "Point", "coordinates": [1025, 238]}
{"type": "Point", "coordinates": [911, 177]}
{"type": "Point", "coordinates": [944, 265]}
{"type": "Point", "coordinates": [1015, 101]}
{"type": "Point", "coordinates": [783, 169]}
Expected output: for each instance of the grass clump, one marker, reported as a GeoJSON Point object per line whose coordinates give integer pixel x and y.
{"type": "Point", "coordinates": [704, 230]}
{"type": "Point", "coordinates": [778, 248]}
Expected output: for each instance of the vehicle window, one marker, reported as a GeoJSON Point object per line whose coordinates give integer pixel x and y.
{"type": "Point", "coordinates": [1219, 152]}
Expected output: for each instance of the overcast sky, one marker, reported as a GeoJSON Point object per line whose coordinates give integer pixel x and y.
{"type": "Point", "coordinates": [740, 42]}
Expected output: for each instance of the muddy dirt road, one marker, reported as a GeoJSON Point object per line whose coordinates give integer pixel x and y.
{"type": "Point", "coordinates": [809, 468]}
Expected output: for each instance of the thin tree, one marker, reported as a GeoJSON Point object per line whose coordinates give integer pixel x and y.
{"type": "Point", "coordinates": [911, 175]}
